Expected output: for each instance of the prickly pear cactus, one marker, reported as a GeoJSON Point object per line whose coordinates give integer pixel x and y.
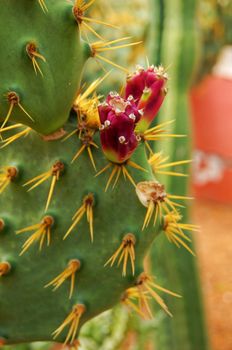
{"type": "Point", "coordinates": [42, 56]}
{"type": "Point", "coordinates": [80, 206]}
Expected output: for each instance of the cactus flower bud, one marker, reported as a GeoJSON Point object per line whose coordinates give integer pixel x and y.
{"type": "Point", "coordinates": [148, 87]}
{"type": "Point", "coordinates": [118, 118]}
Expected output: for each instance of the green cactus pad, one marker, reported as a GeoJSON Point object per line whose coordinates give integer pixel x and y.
{"type": "Point", "coordinates": [42, 56]}
{"type": "Point", "coordinates": [28, 311]}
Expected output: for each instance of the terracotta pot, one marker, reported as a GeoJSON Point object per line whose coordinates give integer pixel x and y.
{"type": "Point", "coordinates": [211, 107]}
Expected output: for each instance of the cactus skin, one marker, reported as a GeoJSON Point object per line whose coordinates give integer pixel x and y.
{"type": "Point", "coordinates": [39, 310]}
{"type": "Point", "coordinates": [48, 98]}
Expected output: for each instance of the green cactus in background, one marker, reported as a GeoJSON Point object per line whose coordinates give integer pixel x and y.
{"type": "Point", "coordinates": [179, 42]}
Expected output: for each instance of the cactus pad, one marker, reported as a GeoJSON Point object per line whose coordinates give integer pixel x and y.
{"type": "Point", "coordinates": [42, 56]}
{"type": "Point", "coordinates": [22, 291]}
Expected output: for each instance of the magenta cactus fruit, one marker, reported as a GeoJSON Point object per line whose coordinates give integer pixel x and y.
{"type": "Point", "coordinates": [118, 118]}
{"type": "Point", "coordinates": [148, 87]}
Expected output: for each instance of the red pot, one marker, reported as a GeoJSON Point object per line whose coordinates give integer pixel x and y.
{"type": "Point", "coordinates": [211, 107]}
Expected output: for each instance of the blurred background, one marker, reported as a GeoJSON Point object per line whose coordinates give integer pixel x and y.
{"type": "Point", "coordinates": [209, 95]}
{"type": "Point", "coordinates": [193, 40]}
